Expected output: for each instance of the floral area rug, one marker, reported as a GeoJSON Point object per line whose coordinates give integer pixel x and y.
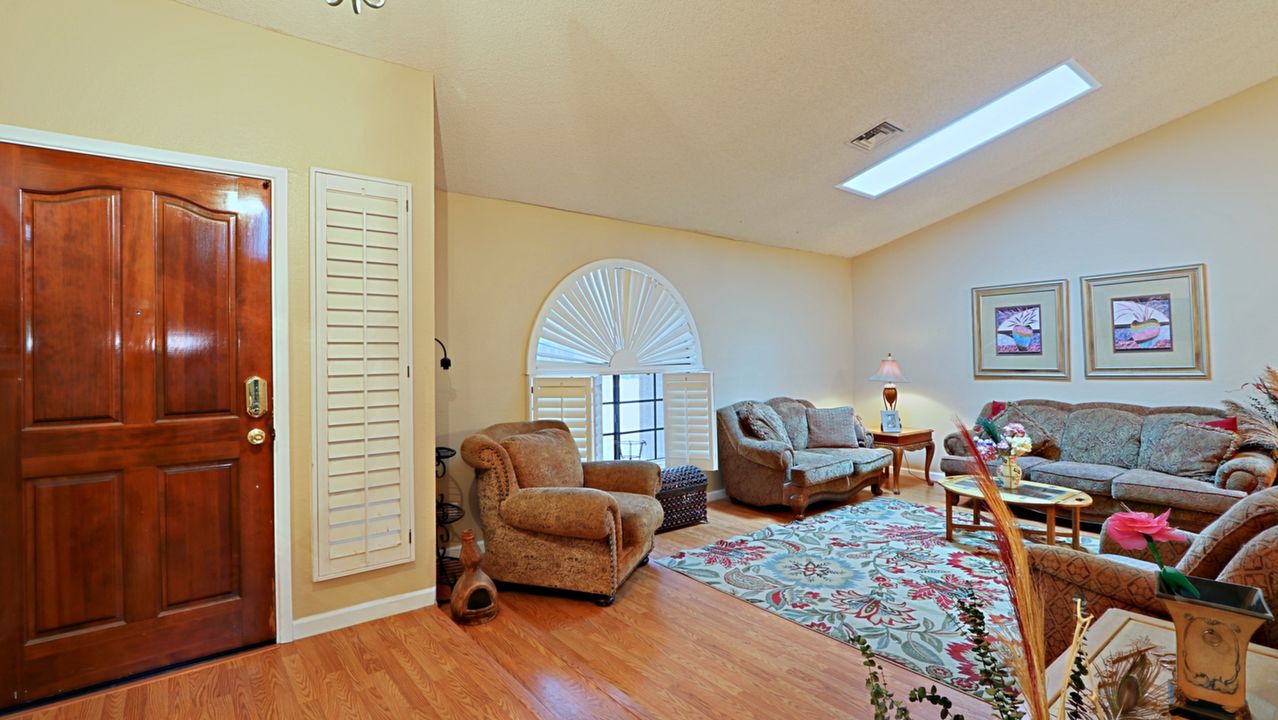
{"type": "Point", "coordinates": [880, 568]}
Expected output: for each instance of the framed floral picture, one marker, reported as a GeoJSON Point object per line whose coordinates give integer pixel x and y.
{"type": "Point", "coordinates": [1021, 331]}
{"type": "Point", "coordinates": [1151, 323]}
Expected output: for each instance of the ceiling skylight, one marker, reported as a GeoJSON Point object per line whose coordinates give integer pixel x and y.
{"type": "Point", "coordinates": [1037, 97]}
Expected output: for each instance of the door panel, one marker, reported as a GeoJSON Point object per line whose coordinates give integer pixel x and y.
{"type": "Point", "coordinates": [197, 311]}
{"type": "Point", "coordinates": [135, 518]}
{"type": "Point", "coordinates": [76, 553]}
{"type": "Point", "coordinates": [201, 526]}
{"type": "Point", "coordinates": [71, 310]}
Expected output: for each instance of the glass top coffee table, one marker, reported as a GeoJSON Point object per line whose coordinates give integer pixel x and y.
{"type": "Point", "coordinates": [1039, 496]}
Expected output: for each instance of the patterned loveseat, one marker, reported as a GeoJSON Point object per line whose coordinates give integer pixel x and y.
{"type": "Point", "coordinates": [791, 470]}
{"type": "Point", "coordinates": [1121, 454]}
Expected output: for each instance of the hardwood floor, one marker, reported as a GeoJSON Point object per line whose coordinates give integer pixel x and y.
{"type": "Point", "coordinates": [669, 648]}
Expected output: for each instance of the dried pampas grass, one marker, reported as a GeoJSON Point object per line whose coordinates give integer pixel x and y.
{"type": "Point", "coordinates": [1026, 655]}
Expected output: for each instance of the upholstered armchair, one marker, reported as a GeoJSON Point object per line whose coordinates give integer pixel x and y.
{"type": "Point", "coordinates": [552, 521]}
{"type": "Point", "coordinates": [1241, 547]}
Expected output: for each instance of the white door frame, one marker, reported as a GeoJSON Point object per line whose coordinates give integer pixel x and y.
{"type": "Point", "coordinates": [279, 317]}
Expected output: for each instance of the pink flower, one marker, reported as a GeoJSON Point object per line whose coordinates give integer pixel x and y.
{"type": "Point", "coordinates": [1129, 529]}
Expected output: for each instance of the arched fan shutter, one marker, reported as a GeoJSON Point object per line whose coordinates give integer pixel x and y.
{"type": "Point", "coordinates": [618, 317]}
{"type": "Point", "coordinates": [615, 317]}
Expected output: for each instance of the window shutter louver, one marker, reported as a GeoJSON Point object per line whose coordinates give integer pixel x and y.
{"type": "Point", "coordinates": [570, 399]}
{"type": "Point", "coordinates": [689, 420]}
{"type": "Point", "coordinates": [363, 388]}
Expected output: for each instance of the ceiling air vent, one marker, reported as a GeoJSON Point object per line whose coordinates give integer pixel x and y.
{"type": "Point", "coordinates": [875, 136]}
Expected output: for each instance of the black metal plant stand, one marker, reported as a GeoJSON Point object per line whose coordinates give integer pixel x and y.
{"type": "Point", "coordinates": [447, 568]}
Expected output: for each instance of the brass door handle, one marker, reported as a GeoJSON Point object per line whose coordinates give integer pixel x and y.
{"type": "Point", "coordinates": [256, 436]}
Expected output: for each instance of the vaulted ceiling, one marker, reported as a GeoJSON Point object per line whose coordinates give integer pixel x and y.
{"type": "Point", "coordinates": [732, 117]}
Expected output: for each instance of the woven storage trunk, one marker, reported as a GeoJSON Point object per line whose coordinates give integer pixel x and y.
{"type": "Point", "coordinates": [682, 496]}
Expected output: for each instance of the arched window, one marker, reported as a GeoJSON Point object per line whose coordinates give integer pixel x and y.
{"type": "Point", "coordinates": [615, 354]}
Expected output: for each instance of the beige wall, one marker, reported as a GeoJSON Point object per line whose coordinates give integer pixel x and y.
{"type": "Point", "coordinates": [772, 321]}
{"type": "Point", "coordinates": [1201, 189]}
{"type": "Point", "coordinates": [160, 74]}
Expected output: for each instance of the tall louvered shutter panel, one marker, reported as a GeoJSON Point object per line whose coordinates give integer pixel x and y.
{"type": "Point", "coordinates": [363, 384]}
{"type": "Point", "coordinates": [570, 399]}
{"type": "Point", "coordinates": [689, 420]}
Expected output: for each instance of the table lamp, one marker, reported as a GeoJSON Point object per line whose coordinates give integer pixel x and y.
{"type": "Point", "coordinates": [890, 374]}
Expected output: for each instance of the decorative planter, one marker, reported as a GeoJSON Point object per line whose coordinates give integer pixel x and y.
{"type": "Point", "coordinates": [1212, 634]}
{"type": "Point", "coordinates": [1010, 474]}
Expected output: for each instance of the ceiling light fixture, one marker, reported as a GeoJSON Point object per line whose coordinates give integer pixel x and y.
{"type": "Point", "coordinates": [374, 4]}
{"type": "Point", "coordinates": [1035, 98]}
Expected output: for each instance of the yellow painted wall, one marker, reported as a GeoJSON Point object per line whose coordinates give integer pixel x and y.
{"type": "Point", "coordinates": [1203, 188]}
{"type": "Point", "coordinates": [772, 321]}
{"type": "Point", "coordinates": [164, 75]}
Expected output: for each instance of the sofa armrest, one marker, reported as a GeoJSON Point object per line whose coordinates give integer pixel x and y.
{"type": "Point", "coordinates": [954, 445]}
{"type": "Point", "coordinates": [1171, 552]}
{"type": "Point", "coordinates": [768, 453]}
{"type": "Point", "coordinates": [632, 476]}
{"type": "Point", "coordinates": [1248, 471]}
{"type": "Point", "coordinates": [1118, 580]}
{"type": "Point", "coordinates": [564, 511]}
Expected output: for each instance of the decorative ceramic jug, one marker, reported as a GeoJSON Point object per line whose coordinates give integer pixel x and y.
{"type": "Point", "coordinates": [474, 598]}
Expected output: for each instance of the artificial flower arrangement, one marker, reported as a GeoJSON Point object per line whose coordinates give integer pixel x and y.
{"type": "Point", "coordinates": [1137, 530]}
{"type": "Point", "coordinates": [1003, 445]}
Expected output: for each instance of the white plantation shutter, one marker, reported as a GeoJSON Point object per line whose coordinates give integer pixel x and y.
{"type": "Point", "coordinates": [363, 387]}
{"type": "Point", "coordinates": [689, 420]}
{"type": "Point", "coordinates": [570, 399]}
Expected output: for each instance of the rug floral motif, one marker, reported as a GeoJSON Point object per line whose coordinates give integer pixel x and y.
{"type": "Point", "coordinates": [880, 568]}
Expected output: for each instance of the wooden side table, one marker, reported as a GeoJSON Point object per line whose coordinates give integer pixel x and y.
{"type": "Point", "coordinates": [899, 443]}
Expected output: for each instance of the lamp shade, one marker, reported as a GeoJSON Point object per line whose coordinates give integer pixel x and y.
{"type": "Point", "coordinates": [889, 371]}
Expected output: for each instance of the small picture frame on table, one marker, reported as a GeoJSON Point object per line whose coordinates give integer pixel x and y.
{"type": "Point", "coordinates": [890, 420]}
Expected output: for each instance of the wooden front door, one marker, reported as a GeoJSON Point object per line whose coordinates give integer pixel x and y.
{"type": "Point", "coordinates": [135, 514]}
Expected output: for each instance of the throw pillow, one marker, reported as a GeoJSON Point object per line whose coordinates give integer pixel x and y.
{"type": "Point", "coordinates": [546, 458]}
{"type": "Point", "coordinates": [832, 428]}
{"type": "Point", "coordinates": [761, 422]}
{"type": "Point", "coordinates": [1191, 450]}
{"type": "Point", "coordinates": [863, 436]}
{"type": "Point", "coordinates": [1012, 413]}
{"type": "Point", "coordinates": [1229, 423]}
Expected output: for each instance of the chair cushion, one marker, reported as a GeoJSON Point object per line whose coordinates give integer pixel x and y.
{"type": "Point", "coordinates": [1172, 491]}
{"type": "Point", "coordinates": [641, 515]}
{"type": "Point", "coordinates": [1191, 450]}
{"type": "Point", "coordinates": [1219, 542]}
{"type": "Point", "coordinates": [794, 413]}
{"type": "Point", "coordinates": [1091, 478]}
{"type": "Point", "coordinates": [832, 428]}
{"type": "Point", "coordinates": [546, 458]}
{"type": "Point", "coordinates": [761, 421]}
{"type": "Point", "coordinates": [865, 460]}
{"type": "Point", "coordinates": [1102, 436]}
{"type": "Point", "coordinates": [813, 468]}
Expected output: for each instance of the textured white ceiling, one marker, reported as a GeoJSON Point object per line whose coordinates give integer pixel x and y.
{"type": "Point", "coordinates": [732, 116]}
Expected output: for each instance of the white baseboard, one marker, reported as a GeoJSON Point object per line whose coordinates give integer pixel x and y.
{"type": "Point", "coordinates": [720, 494]}
{"type": "Point", "coordinates": [362, 613]}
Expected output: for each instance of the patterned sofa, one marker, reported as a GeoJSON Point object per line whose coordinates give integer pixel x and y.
{"type": "Point", "coordinates": [790, 471]}
{"type": "Point", "coordinates": [1118, 454]}
{"type": "Point", "coordinates": [1240, 547]}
